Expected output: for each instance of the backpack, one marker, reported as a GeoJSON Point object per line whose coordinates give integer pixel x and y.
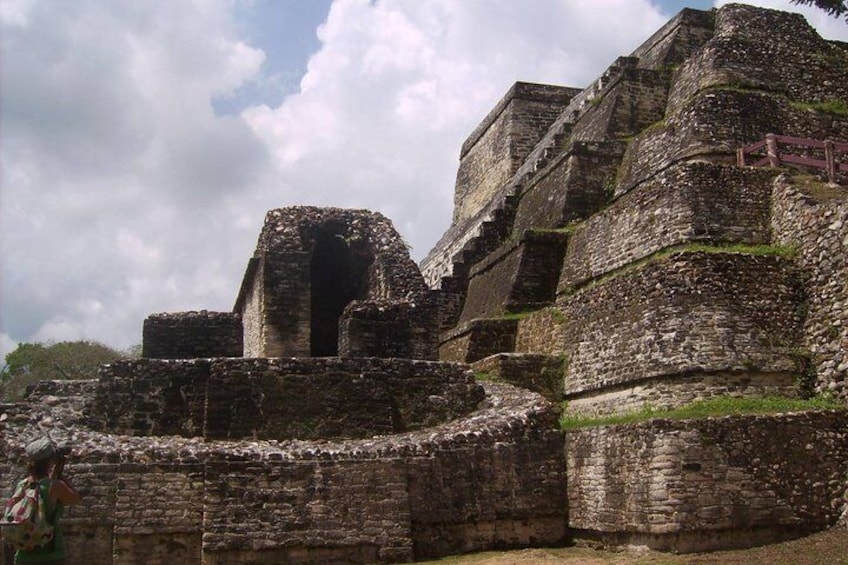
{"type": "Point", "coordinates": [24, 523]}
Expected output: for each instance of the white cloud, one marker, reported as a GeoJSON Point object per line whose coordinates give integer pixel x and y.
{"type": "Point", "coordinates": [15, 12]}
{"type": "Point", "coordinates": [123, 193]}
{"type": "Point", "coordinates": [115, 170]}
{"type": "Point", "coordinates": [399, 84]}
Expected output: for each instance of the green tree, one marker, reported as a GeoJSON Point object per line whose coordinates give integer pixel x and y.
{"type": "Point", "coordinates": [833, 8]}
{"type": "Point", "coordinates": [32, 362]}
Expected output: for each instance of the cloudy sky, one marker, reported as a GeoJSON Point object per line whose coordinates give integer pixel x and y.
{"type": "Point", "coordinates": [142, 142]}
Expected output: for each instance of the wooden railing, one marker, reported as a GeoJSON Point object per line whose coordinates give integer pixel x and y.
{"type": "Point", "coordinates": [774, 158]}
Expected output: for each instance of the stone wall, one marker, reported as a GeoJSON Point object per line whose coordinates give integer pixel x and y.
{"type": "Point", "coordinates": [152, 397]}
{"type": "Point", "coordinates": [814, 217]}
{"type": "Point", "coordinates": [690, 202]}
{"type": "Point", "coordinates": [493, 152]}
{"type": "Point", "coordinates": [698, 485]}
{"type": "Point", "coordinates": [716, 324]}
{"type": "Point", "coordinates": [713, 123]}
{"type": "Point", "coordinates": [743, 51]}
{"type": "Point", "coordinates": [186, 335]}
{"type": "Point", "coordinates": [542, 331]}
{"type": "Point", "coordinates": [278, 306]}
{"type": "Point", "coordinates": [518, 276]}
{"type": "Point", "coordinates": [495, 478]}
{"type": "Point", "coordinates": [674, 42]}
{"type": "Point", "coordinates": [408, 330]}
{"type": "Point", "coordinates": [490, 283]}
{"type": "Point", "coordinates": [676, 390]}
{"type": "Point", "coordinates": [490, 494]}
{"type": "Point", "coordinates": [730, 93]}
{"type": "Point", "coordinates": [634, 99]}
{"type": "Point", "coordinates": [683, 314]}
{"type": "Point", "coordinates": [575, 184]}
{"type": "Point", "coordinates": [478, 339]}
{"type": "Point", "coordinates": [251, 298]}
{"type": "Point", "coordinates": [279, 398]}
{"type": "Point", "coordinates": [533, 371]}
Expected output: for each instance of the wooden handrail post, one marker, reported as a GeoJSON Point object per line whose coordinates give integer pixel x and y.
{"type": "Point", "coordinates": [740, 156]}
{"type": "Point", "coordinates": [771, 150]}
{"type": "Point", "coordinates": [830, 161]}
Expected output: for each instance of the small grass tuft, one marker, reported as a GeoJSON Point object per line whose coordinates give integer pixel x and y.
{"type": "Point", "coordinates": [833, 106]}
{"type": "Point", "coordinates": [785, 251]}
{"type": "Point", "coordinates": [484, 376]}
{"type": "Point", "coordinates": [520, 315]}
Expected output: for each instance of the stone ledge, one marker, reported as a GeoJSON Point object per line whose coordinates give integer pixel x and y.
{"type": "Point", "coordinates": [675, 389]}
{"type": "Point", "coordinates": [682, 485]}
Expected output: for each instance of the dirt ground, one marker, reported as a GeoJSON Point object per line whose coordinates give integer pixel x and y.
{"type": "Point", "coordinates": [825, 548]}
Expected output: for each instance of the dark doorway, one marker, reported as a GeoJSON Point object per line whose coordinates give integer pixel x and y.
{"type": "Point", "coordinates": [338, 274]}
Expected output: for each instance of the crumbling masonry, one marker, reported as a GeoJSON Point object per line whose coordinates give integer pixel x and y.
{"type": "Point", "coordinates": [605, 252]}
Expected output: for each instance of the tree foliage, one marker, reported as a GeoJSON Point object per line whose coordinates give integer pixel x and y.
{"type": "Point", "coordinates": [835, 8]}
{"type": "Point", "coordinates": [32, 362]}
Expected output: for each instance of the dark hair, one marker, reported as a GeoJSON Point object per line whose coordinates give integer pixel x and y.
{"type": "Point", "coordinates": [39, 469]}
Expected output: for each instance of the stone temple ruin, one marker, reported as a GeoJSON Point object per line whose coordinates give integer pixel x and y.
{"type": "Point", "coordinates": [606, 250]}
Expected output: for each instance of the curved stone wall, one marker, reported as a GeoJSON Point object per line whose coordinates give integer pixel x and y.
{"type": "Point", "coordinates": [495, 478]}
{"type": "Point", "coordinates": [684, 314]}
{"type": "Point", "coordinates": [746, 44]}
{"type": "Point", "coordinates": [309, 398]}
{"type": "Point", "coordinates": [500, 477]}
{"type": "Point", "coordinates": [698, 485]}
{"type": "Point", "coordinates": [713, 123]}
{"type": "Point", "coordinates": [688, 202]}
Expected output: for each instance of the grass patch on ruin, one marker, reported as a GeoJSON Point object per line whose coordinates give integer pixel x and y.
{"type": "Point", "coordinates": [816, 188]}
{"type": "Point", "coordinates": [784, 251]}
{"type": "Point", "coordinates": [520, 315]}
{"type": "Point", "coordinates": [485, 376]}
{"type": "Point", "coordinates": [833, 106]}
{"type": "Point", "coordinates": [710, 408]}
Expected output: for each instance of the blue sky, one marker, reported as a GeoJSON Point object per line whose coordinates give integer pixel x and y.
{"type": "Point", "coordinates": [141, 143]}
{"type": "Point", "coordinates": [285, 31]}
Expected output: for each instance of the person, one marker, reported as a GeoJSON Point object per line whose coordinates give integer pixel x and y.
{"type": "Point", "coordinates": [45, 463]}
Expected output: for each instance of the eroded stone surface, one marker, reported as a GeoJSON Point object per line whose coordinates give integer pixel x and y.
{"type": "Point", "coordinates": [495, 477]}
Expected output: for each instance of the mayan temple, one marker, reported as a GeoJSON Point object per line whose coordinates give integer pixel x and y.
{"type": "Point", "coordinates": [675, 231]}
